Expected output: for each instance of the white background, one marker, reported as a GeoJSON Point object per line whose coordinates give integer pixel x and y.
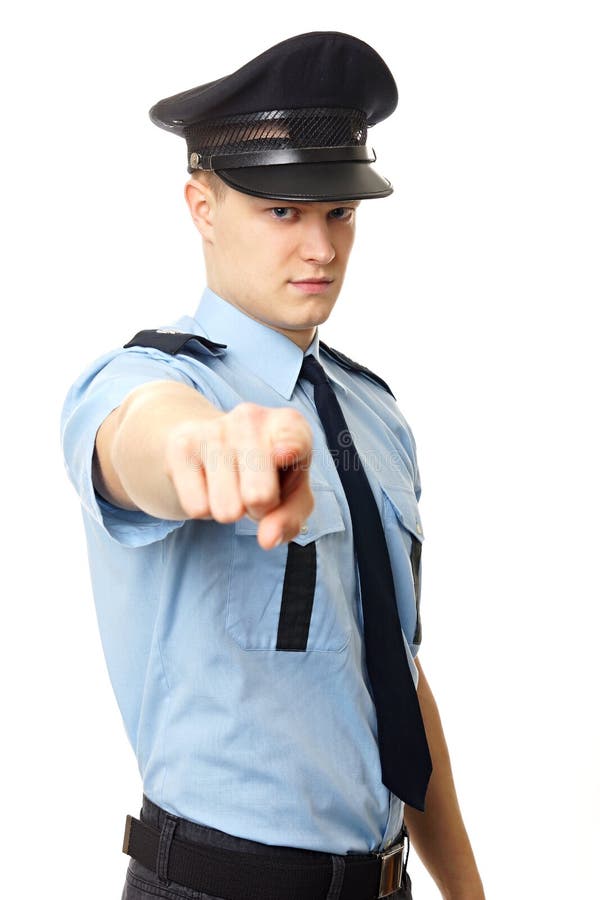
{"type": "Point", "coordinates": [473, 290]}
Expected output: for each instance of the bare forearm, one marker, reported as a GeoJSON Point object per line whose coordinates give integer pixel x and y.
{"type": "Point", "coordinates": [131, 446]}
{"type": "Point", "coordinates": [438, 834]}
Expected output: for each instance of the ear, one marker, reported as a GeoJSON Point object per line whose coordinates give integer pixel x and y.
{"type": "Point", "coordinates": [201, 202]}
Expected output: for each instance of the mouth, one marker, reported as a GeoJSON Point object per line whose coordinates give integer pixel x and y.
{"type": "Point", "coordinates": [312, 285]}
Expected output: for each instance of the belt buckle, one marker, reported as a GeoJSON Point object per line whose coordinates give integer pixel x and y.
{"type": "Point", "coordinates": [127, 835]}
{"type": "Point", "coordinates": [392, 869]}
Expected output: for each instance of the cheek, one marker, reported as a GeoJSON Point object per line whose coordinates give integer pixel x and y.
{"type": "Point", "coordinates": [241, 243]}
{"type": "Point", "coordinates": [254, 244]}
{"type": "Point", "coordinates": [344, 244]}
{"type": "Point", "coordinates": [271, 248]}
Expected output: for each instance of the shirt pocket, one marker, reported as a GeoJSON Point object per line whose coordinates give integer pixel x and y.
{"type": "Point", "coordinates": [404, 536]}
{"type": "Point", "coordinates": [290, 598]}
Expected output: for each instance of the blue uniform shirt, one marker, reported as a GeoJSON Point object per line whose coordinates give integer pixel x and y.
{"type": "Point", "coordinates": [272, 745]}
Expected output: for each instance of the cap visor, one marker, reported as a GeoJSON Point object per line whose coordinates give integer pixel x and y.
{"type": "Point", "coordinates": [309, 181]}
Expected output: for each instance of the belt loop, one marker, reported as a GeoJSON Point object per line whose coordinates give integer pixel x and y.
{"type": "Point", "coordinates": [164, 845]}
{"type": "Point", "coordinates": [337, 877]}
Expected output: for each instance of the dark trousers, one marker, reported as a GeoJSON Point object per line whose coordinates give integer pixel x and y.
{"type": "Point", "coordinates": [143, 884]}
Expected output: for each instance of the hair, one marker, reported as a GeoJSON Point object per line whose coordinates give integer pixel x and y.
{"type": "Point", "coordinates": [212, 180]}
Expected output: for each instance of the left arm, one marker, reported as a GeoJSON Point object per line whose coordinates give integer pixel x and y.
{"type": "Point", "coordinates": [438, 834]}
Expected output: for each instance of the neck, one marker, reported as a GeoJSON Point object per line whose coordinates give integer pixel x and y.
{"type": "Point", "coordinates": [302, 339]}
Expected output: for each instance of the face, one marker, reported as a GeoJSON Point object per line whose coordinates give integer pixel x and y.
{"type": "Point", "coordinates": [282, 263]}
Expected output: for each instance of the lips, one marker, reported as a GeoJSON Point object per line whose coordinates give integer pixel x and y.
{"type": "Point", "coordinates": [312, 285]}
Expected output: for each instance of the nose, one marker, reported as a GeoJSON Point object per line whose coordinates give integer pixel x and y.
{"type": "Point", "coordinates": [316, 245]}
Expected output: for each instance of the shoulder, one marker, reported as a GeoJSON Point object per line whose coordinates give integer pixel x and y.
{"type": "Point", "coordinates": [173, 341]}
{"type": "Point", "coordinates": [161, 353]}
{"type": "Point", "coordinates": [353, 366]}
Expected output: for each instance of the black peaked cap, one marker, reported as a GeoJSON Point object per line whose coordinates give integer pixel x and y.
{"type": "Point", "coordinates": [292, 122]}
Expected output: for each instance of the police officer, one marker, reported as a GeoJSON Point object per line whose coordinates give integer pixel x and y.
{"type": "Point", "coordinates": [250, 500]}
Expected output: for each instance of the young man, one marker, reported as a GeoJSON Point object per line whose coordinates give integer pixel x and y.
{"type": "Point", "coordinates": [250, 499]}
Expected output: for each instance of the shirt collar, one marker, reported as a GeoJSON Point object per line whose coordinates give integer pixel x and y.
{"type": "Point", "coordinates": [275, 358]}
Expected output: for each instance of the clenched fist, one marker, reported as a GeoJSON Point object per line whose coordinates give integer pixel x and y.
{"type": "Point", "coordinates": [251, 461]}
{"type": "Point", "coordinates": [168, 451]}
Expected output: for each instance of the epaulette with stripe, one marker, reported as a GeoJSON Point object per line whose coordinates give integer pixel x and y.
{"type": "Point", "coordinates": [171, 341]}
{"type": "Point", "coordinates": [350, 364]}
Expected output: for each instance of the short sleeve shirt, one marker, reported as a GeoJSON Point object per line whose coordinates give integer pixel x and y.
{"type": "Point", "coordinates": [240, 718]}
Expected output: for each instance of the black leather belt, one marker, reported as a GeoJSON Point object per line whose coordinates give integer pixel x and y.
{"type": "Point", "coordinates": [237, 875]}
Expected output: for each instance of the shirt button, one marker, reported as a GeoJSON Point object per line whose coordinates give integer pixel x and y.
{"type": "Point", "coordinates": [303, 529]}
{"type": "Point", "coordinates": [419, 529]}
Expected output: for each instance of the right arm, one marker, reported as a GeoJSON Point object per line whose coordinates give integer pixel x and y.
{"type": "Point", "coordinates": [168, 451]}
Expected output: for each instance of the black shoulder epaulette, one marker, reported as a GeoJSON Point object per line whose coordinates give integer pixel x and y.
{"type": "Point", "coordinates": [171, 341]}
{"type": "Point", "coordinates": [348, 363]}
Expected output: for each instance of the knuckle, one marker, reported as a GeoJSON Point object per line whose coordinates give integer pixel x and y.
{"type": "Point", "coordinates": [229, 514]}
{"type": "Point", "coordinates": [247, 412]}
{"type": "Point", "coordinates": [186, 446]}
{"type": "Point", "coordinates": [178, 442]}
{"type": "Point", "coordinates": [293, 418]}
{"type": "Point", "coordinates": [215, 431]}
{"type": "Point", "coordinates": [195, 509]}
{"type": "Point", "coordinates": [291, 424]}
{"type": "Point", "coordinates": [253, 461]}
{"type": "Point", "coordinates": [256, 495]}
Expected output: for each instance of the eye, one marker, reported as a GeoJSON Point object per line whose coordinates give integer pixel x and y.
{"type": "Point", "coordinates": [281, 212]}
{"type": "Point", "coordinates": [342, 212]}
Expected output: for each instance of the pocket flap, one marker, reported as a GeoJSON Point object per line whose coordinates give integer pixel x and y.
{"type": "Point", "coordinates": [406, 507]}
{"type": "Point", "coordinates": [325, 518]}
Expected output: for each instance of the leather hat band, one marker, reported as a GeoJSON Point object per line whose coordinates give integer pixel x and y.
{"type": "Point", "coordinates": [360, 153]}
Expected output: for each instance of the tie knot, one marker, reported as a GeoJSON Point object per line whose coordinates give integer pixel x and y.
{"type": "Point", "coordinates": [313, 371]}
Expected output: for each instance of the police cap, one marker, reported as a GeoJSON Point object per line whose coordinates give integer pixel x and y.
{"type": "Point", "coordinates": [292, 123]}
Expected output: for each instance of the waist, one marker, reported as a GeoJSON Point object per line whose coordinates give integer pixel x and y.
{"type": "Point", "coordinates": [155, 815]}
{"type": "Point", "coordinates": [207, 859]}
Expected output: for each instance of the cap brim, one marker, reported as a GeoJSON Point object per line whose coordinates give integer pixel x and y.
{"type": "Point", "coordinates": [309, 181]}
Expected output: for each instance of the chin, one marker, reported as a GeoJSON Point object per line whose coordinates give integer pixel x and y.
{"type": "Point", "coordinates": [320, 311]}
{"type": "Point", "coordinates": [313, 321]}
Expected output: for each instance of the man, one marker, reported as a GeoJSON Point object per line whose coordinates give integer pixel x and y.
{"type": "Point", "coordinates": [250, 504]}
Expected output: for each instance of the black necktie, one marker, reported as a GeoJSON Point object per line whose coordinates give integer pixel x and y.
{"type": "Point", "coordinates": [404, 753]}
